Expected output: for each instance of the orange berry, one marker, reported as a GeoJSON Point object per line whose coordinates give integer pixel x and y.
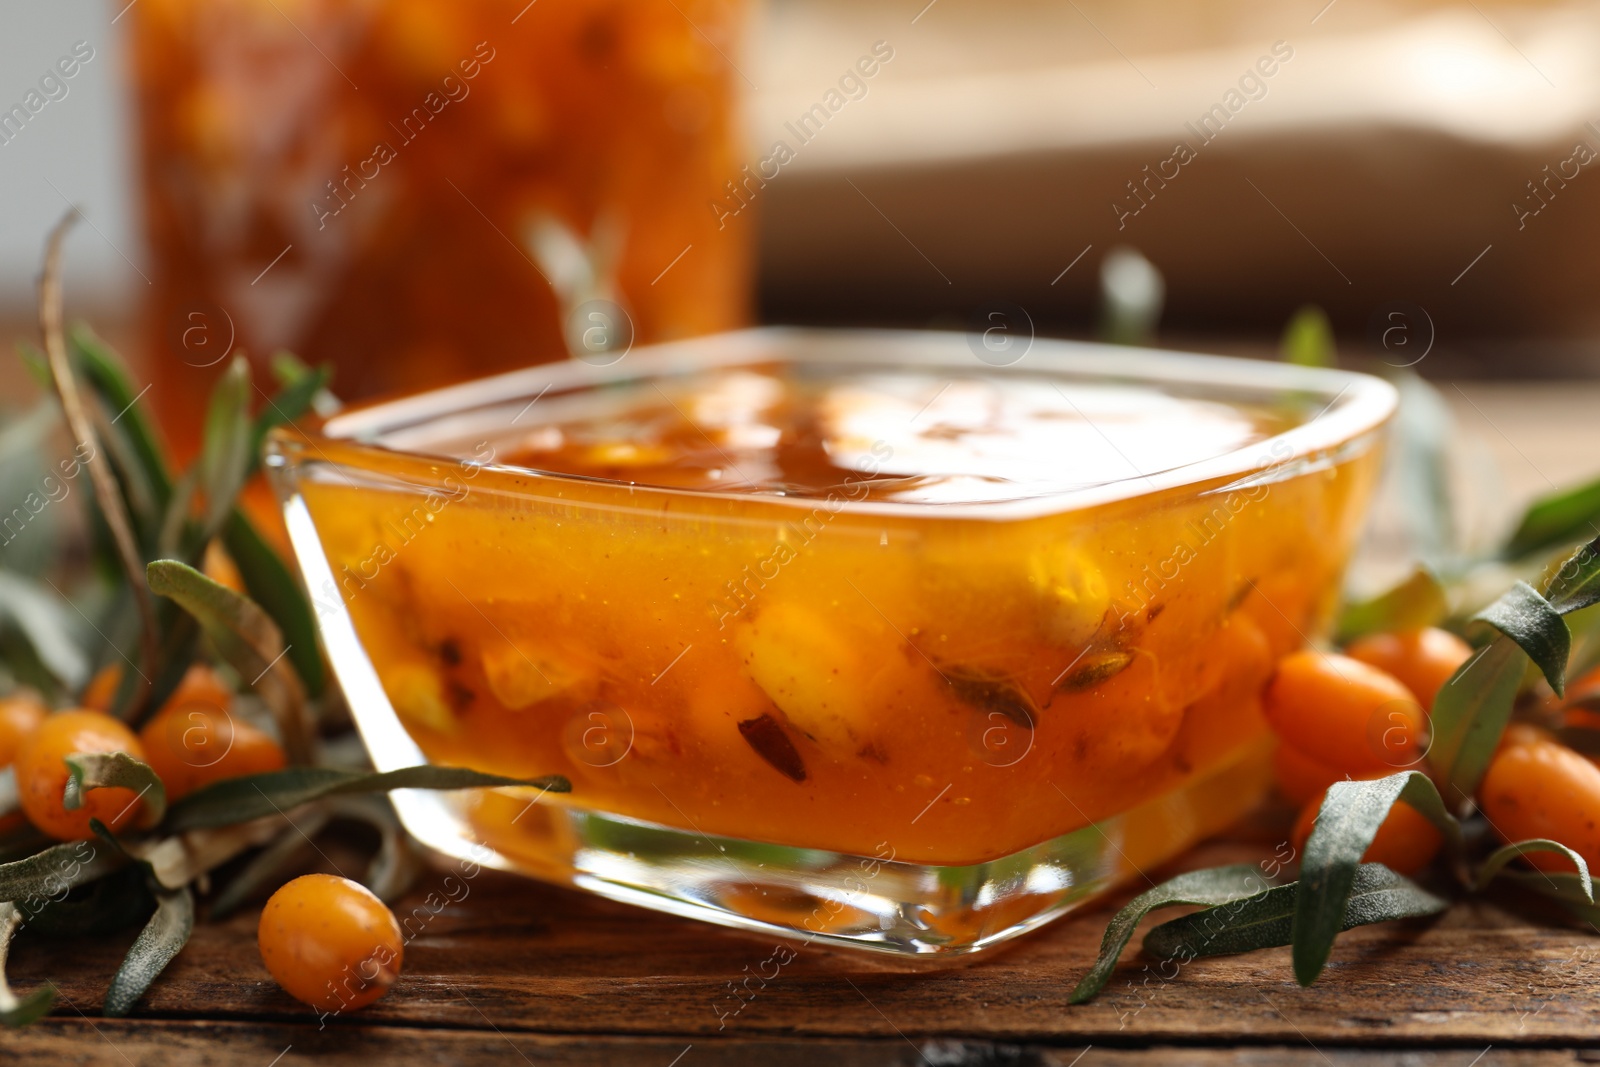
{"type": "Point", "coordinates": [1524, 733]}
{"type": "Point", "coordinates": [1544, 789]}
{"type": "Point", "coordinates": [20, 714]}
{"type": "Point", "coordinates": [1423, 659]}
{"type": "Point", "coordinates": [1405, 843]}
{"type": "Point", "coordinates": [200, 685]}
{"type": "Point", "coordinates": [1299, 776]}
{"type": "Point", "coordinates": [330, 943]}
{"type": "Point", "coordinates": [42, 774]}
{"type": "Point", "coordinates": [1345, 714]}
{"type": "Point", "coordinates": [192, 745]}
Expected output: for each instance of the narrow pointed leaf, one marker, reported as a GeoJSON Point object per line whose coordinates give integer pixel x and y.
{"type": "Point", "coordinates": [1576, 584]}
{"type": "Point", "coordinates": [289, 404]}
{"type": "Point", "coordinates": [225, 456]}
{"type": "Point", "coordinates": [1470, 714]}
{"type": "Point", "coordinates": [256, 795]}
{"type": "Point", "coordinates": [1266, 920]}
{"type": "Point", "coordinates": [109, 377]}
{"type": "Point", "coordinates": [1416, 602]}
{"type": "Point", "coordinates": [268, 865]}
{"type": "Point", "coordinates": [270, 584]}
{"type": "Point", "coordinates": [42, 620]}
{"type": "Point", "coordinates": [1308, 339]}
{"type": "Point", "coordinates": [246, 637]}
{"type": "Point", "coordinates": [1348, 821]}
{"type": "Point", "coordinates": [18, 1011]}
{"type": "Point", "coordinates": [1496, 863]}
{"type": "Point", "coordinates": [102, 770]}
{"type": "Point", "coordinates": [1529, 620]}
{"type": "Point", "coordinates": [162, 938]}
{"type": "Point", "coordinates": [1556, 519]}
{"type": "Point", "coordinates": [1567, 887]}
{"type": "Point", "coordinates": [55, 870]}
{"type": "Point", "coordinates": [1217, 885]}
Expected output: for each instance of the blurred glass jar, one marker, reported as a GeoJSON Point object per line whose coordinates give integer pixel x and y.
{"type": "Point", "coordinates": [419, 192]}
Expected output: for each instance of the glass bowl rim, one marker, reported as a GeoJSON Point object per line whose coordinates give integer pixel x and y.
{"type": "Point", "coordinates": [1358, 406]}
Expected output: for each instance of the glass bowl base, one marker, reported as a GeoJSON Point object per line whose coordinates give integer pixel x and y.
{"type": "Point", "coordinates": [877, 903]}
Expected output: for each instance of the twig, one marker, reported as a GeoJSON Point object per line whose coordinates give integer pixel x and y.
{"type": "Point", "coordinates": [100, 475]}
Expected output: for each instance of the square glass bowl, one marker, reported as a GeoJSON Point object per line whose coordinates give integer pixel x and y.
{"type": "Point", "coordinates": [921, 710]}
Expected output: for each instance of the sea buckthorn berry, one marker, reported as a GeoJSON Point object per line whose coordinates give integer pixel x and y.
{"type": "Point", "coordinates": [192, 745]}
{"type": "Point", "coordinates": [1343, 713]}
{"type": "Point", "coordinates": [200, 685]}
{"type": "Point", "coordinates": [1423, 659]}
{"type": "Point", "coordinates": [1406, 842]}
{"type": "Point", "coordinates": [1544, 789]}
{"type": "Point", "coordinates": [1524, 733]}
{"type": "Point", "coordinates": [1300, 777]}
{"type": "Point", "coordinates": [330, 943]}
{"type": "Point", "coordinates": [42, 774]}
{"type": "Point", "coordinates": [21, 713]}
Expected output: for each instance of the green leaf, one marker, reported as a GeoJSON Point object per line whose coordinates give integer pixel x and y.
{"type": "Point", "coordinates": [1267, 919]}
{"type": "Point", "coordinates": [37, 365]}
{"type": "Point", "coordinates": [1308, 339]}
{"type": "Point", "coordinates": [18, 1011]}
{"type": "Point", "coordinates": [1564, 887]}
{"type": "Point", "coordinates": [1496, 863]}
{"type": "Point", "coordinates": [1470, 713]}
{"type": "Point", "coordinates": [1576, 584]}
{"type": "Point", "coordinates": [268, 865]}
{"type": "Point", "coordinates": [270, 584]}
{"type": "Point", "coordinates": [42, 620]}
{"type": "Point", "coordinates": [1421, 438]}
{"type": "Point", "coordinates": [1416, 602]}
{"type": "Point", "coordinates": [300, 387]}
{"type": "Point", "coordinates": [108, 376]}
{"type": "Point", "coordinates": [1556, 519]}
{"type": "Point", "coordinates": [50, 874]}
{"type": "Point", "coordinates": [1529, 620]}
{"type": "Point", "coordinates": [225, 454]}
{"type": "Point", "coordinates": [1346, 824]}
{"type": "Point", "coordinates": [162, 938]}
{"type": "Point", "coordinates": [244, 636]}
{"type": "Point", "coordinates": [1216, 885]}
{"type": "Point", "coordinates": [116, 770]}
{"type": "Point", "coordinates": [257, 795]}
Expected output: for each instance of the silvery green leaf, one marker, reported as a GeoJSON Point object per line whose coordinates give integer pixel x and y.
{"type": "Point", "coordinates": [1496, 864]}
{"type": "Point", "coordinates": [1416, 602]}
{"type": "Point", "coordinates": [1346, 824]}
{"type": "Point", "coordinates": [42, 619]}
{"type": "Point", "coordinates": [1266, 920]}
{"type": "Point", "coordinates": [1526, 617]}
{"type": "Point", "coordinates": [162, 938]}
{"type": "Point", "coordinates": [254, 796]}
{"type": "Point", "coordinates": [1217, 885]}
{"type": "Point", "coordinates": [18, 1011]}
{"type": "Point", "coordinates": [1555, 519]}
{"type": "Point", "coordinates": [1470, 713]}
{"type": "Point", "coordinates": [118, 770]}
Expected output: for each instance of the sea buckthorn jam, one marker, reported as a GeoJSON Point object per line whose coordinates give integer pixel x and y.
{"type": "Point", "coordinates": [943, 614]}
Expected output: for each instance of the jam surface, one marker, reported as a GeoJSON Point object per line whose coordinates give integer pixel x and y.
{"type": "Point", "coordinates": [911, 437]}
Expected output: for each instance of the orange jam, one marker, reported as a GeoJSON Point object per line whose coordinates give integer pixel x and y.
{"type": "Point", "coordinates": [959, 614]}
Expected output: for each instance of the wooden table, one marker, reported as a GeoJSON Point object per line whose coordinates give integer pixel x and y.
{"type": "Point", "coordinates": [523, 972]}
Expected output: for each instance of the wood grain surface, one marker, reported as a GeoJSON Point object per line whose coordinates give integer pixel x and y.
{"type": "Point", "coordinates": [523, 971]}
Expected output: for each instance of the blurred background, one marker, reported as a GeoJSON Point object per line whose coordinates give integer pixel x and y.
{"type": "Point", "coordinates": [417, 191]}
